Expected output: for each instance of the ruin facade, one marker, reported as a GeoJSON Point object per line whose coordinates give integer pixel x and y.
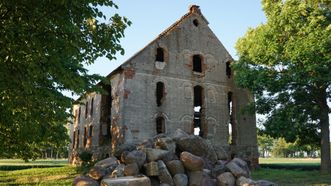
{"type": "Point", "coordinates": [180, 80]}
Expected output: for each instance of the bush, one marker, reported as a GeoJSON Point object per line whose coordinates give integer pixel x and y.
{"type": "Point", "coordinates": [86, 161]}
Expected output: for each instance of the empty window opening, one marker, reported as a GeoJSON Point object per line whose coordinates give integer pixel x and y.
{"type": "Point", "coordinates": [198, 105]}
{"type": "Point", "coordinates": [160, 128]}
{"type": "Point", "coordinates": [90, 131]}
{"type": "Point", "coordinates": [197, 67]}
{"type": "Point", "coordinates": [85, 137]}
{"type": "Point", "coordinates": [228, 69]}
{"type": "Point", "coordinates": [159, 55]}
{"type": "Point", "coordinates": [79, 111]}
{"type": "Point", "coordinates": [106, 108]}
{"type": "Point", "coordinates": [74, 139]}
{"type": "Point", "coordinates": [86, 109]}
{"type": "Point", "coordinates": [78, 136]}
{"type": "Point", "coordinates": [196, 22]}
{"type": "Point", "coordinates": [232, 124]}
{"type": "Point", "coordinates": [159, 93]}
{"type": "Point", "coordinates": [92, 105]}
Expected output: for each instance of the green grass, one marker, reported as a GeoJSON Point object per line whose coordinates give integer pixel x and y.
{"type": "Point", "coordinates": [39, 176]}
{"type": "Point", "coordinates": [35, 162]}
{"type": "Point", "coordinates": [299, 161]}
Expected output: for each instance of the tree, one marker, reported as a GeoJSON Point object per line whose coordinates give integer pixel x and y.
{"type": "Point", "coordinates": [286, 63]}
{"type": "Point", "coordinates": [265, 143]}
{"type": "Point", "coordinates": [44, 46]}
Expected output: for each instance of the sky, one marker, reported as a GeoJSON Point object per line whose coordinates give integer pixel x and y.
{"type": "Point", "coordinates": [229, 20]}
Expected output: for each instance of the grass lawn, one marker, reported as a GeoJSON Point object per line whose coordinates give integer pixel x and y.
{"type": "Point", "coordinates": [300, 161]}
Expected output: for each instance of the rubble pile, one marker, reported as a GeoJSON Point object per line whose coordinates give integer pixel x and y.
{"type": "Point", "coordinates": [180, 160]}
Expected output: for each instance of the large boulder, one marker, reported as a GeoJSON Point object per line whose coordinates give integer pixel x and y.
{"type": "Point", "coordinates": [164, 175]}
{"type": "Point", "coordinates": [117, 172]}
{"type": "Point", "coordinates": [191, 162]}
{"type": "Point", "coordinates": [175, 167]}
{"type": "Point", "coordinates": [243, 181]}
{"type": "Point", "coordinates": [238, 167]}
{"type": "Point", "coordinates": [155, 154]}
{"type": "Point", "coordinates": [218, 168]}
{"type": "Point", "coordinates": [226, 179]}
{"type": "Point", "coordinates": [127, 181]}
{"type": "Point", "coordinates": [103, 167]}
{"type": "Point", "coordinates": [221, 153]}
{"type": "Point", "coordinates": [195, 178]}
{"type": "Point", "coordinates": [180, 180]}
{"type": "Point", "coordinates": [135, 156]}
{"type": "Point", "coordinates": [97, 173]}
{"type": "Point", "coordinates": [84, 181]}
{"type": "Point", "coordinates": [166, 143]}
{"type": "Point", "coordinates": [197, 146]}
{"type": "Point", "coordinates": [152, 168]}
{"type": "Point", "coordinates": [178, 134]}
{"type": "Point", "coordinates": [131, 169]}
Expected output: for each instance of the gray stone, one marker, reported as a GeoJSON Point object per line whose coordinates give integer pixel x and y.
{"type": "Point", "coordinates": [84, 181]}
{"type": "Point", "coordinates": [164, 175]}
{"type": "Point", "coordinates": [195, 178]}
{"type": "Point", "coordinates": [155, 154]}
{"type": "Point", "coordinates": [108, 164]}
{"type": "Point", "coordinates": [180, 180]}
{"type": "Point", "coordinates": [218, 169]}
{"type": "Point", "coordinates": [191, 162]}
{"type": "Point", "coordinates": [178, 134]}
{"type": "Point", "coordinates": [117, 172]}
{"type": "Point", "coordinates": [135, 156]}
{"type": "Point", "coordinates": [197, 146]}
{"type": "Point", "coordinates": [166, 143]}
{"type": "Point", "coordinates": [243, 181]}
{"type": "Point", "coordinates": [97, 173]}
{"type": "Point", "coordinates": [127, 181]}
{"type": "Point", "coordinates": [221, 152]}
{"type": "Point", "coordinates": [237, 168]}
{"type": "Point", "coordinates": [175, 167]}
{"type": "Point", "coordinates": [122, 148]}
{"type": "Point", "coordinates": [226, 179]}
{"type": "Point", "coordinates": [131, 169]}
{"type": "Point", "coordinates": [206, 179]}
{"type": "Point", "coordinates": [152, 168]}
{"type": "Point", "coordinates": [265, 183]}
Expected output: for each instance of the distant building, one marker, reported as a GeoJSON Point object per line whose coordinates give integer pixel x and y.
{"type": "Point", "coordinates": [182, 79]}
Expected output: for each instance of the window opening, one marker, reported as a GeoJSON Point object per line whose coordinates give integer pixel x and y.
{"type": "Point", "coordinates": [78, 136]}
{"type": "Point", "coordinates": [106, 107]}
{"type": "Point", "coordinates": [228, 69]}
{"type": "Point", "coordinates": [85, 137]}
{"type": "Point", "coordinates": [74, 140]}
{"type": "Point", "coordinates": [198, 105]}
{"type": "Point", "coordinates": [79, 111]}
{"type": "Point", "coordinates": [159, 55]}
{"type": "Point", "coordinates": [232, 124]}
{"type": "Point", "coordinates": [197, 67]}
{"type": "Point", "coordinates": [196, 22]}
{"type": "Point", "coordinates": [160, 128]}
{"type": "Point", "coordinates": [90, 131]}
{"type": "Point", "coordinates": [86, 109]}
{"type": "Point", "coordinates": [92, 105]}
{"type": "Point", "coordinates": [159, 93]}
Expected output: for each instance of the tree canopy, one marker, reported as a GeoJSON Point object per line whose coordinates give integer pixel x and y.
{"type": "Point", "coordinates": [286, 63]}
{"type": "Point", "coordinates": [44, 46]}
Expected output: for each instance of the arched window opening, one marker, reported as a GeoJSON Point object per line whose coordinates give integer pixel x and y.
{"type": "Point", "coordinates": [159, 93]}
{"type": "Point", "coordinates": [85, 137]}
{"type": "Point", "coordinates": [197, 66]}
{"type": "Point", "coordinates": [86, 109]}
{"type": "Point", "coordinates": [198, 111]}
{"type": "Point", "coordinates": [160, 128]}
{"type": "Point", "coordinates": [232, 124]}
{"type": "Point", "coordinates": [228, 69]}
{"type": "Point", "coordinates": [92, 105]}
{"type": "Point", "coordinates": [195, 22]}
{"type": "Point", "coordinates": [159, 55]}
{"type": "Point", "coordinates": [90, 131]}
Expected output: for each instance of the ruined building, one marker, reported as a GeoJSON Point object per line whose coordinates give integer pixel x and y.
{"type": "Point", "coordinates": [181, 80]}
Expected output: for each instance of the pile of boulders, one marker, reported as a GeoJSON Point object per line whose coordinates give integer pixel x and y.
{"type": "Point", "coordinates": [179, 160]}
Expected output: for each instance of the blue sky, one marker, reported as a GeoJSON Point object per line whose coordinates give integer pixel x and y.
{"type": "Point", "coordinates": [229, 20]}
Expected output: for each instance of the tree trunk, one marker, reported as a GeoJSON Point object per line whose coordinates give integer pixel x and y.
{"type": "Point", "coordinates": [325, 135]}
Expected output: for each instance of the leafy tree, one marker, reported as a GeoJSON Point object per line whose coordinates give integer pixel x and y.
{"type": "Point", "coordinates": [44, 46]}
{"type": "Point", "coordinates": [286, 63]}
{"type": "Point", "coordinates": [280, 148]}
{"type": "Point", "coordinates": [265, 143]}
